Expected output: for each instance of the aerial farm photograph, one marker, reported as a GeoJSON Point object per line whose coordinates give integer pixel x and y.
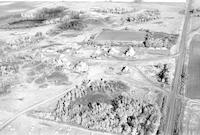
{"type": "Point", "coordinates": [100, 67]}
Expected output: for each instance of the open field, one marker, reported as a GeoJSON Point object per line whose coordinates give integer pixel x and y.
{"type": "Point", "coordinates": [193, 69]}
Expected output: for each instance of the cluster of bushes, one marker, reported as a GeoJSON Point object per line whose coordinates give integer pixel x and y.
{"type": "Point", "coordinates": [24, 41]}
{"type": "Point", "coordinates": [72, 22]}
{"type": "Point", "coordinates": [6, 83]}
{"type": "Point", "coordinates": [75, 20]}
{"type": "Point", "coordinates": [95, 106]}
{"type": "Point", "coordinates": [95, 86]}
{"type": "Point", "coordinates": [160, 40]}
{"type": "Point", "coordinates": [145, 16]}
{"type": "Point", "coordinates": [75, 24]}
{"type": "Point", "coordinates": [8, 77]}
{"type": "Point", "coordinates": [123, 115]}
{"type": "Point", "coordinates": [24, 23]}
{"type": "Point", "coordinates": [116, 10]}
{"type": "Point", "coordinates": [86, 88]}
{"type": "Point", "coordinates": [44, 69]}
{"type": "Point", "coordinates": [50, 13]}
{"type": "Point", "coordinates": [163, 74]}
{"type": "Point", "coordinates": [195, 12]}
{"type": "Point", "coordinates": [8, 69]}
